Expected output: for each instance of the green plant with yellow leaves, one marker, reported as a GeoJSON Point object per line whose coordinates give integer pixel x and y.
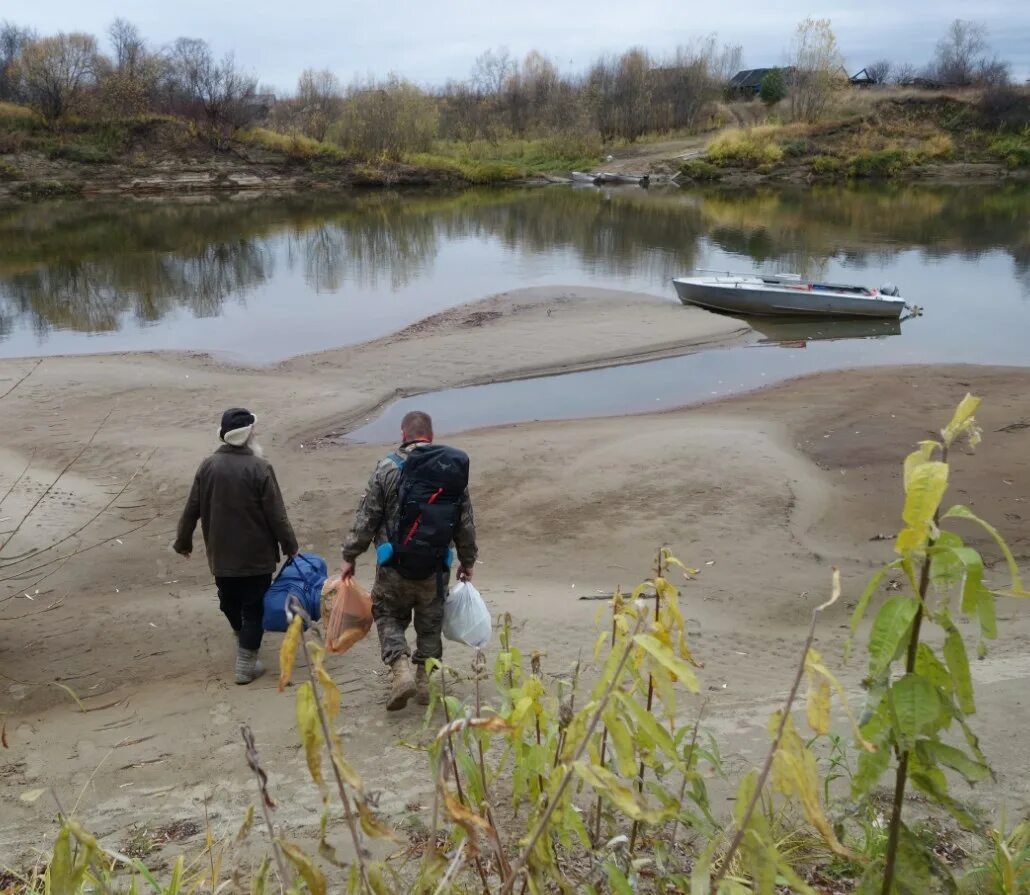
{"type": "Point", "coordinates": [561, 785]}
{"type": "Point", "coordinates": [918, 695]}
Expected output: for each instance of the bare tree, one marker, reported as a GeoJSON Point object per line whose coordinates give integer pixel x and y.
{"type": "Point", "coordinates": [491, 71]}
{"type": "Point", "coordinates": [880, 71]}
{"type": "Point", "coordinates": [129, 50]}
{"type": "Point", "coordinates": [904, 74]}
{"type": "Point", "coordinates": [685, 85]}
{"type": "Point", "coordinates": [816, 70]}
{"type": "Point", "coordinates": [319, 98]}
{"type": "Point", "coordinates": [12, 41]}
{"type": "Point", "coordinates": [195, 84]}
{"type": "Point", "coordinates": [54, 71]}
{"type": "Point", "coordinates": [962, 57]}
{"type": "Point", "coordinates": [129, 82]}
{"type": "Point", "coordinates": [957, 54]}
{"type": "Point", "coordinates": [189, 65]}
{"type": "Point", "coordinates": [229, 95]}
{"type": "Point", "coordinates": [993, 72]}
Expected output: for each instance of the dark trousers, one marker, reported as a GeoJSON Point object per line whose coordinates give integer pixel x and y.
{"type": "Point", "coordinates": [242, 600]}
{"type": "Point", "coordinates": [395, 602]}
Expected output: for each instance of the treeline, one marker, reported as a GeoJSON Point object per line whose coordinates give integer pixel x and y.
{"type": "Point", "coordinates": [962, 58]}
{"type": "Point", "coordinates": [69, 74]}
{"type": "Point", "coordinates": [617, 97]}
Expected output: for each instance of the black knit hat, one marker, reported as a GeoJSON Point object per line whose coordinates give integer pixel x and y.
{"type": "Point", "coordinates": [236, 418]}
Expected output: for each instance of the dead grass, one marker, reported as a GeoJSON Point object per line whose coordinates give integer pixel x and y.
{"type": "Point", "coordinates": [295, 146]}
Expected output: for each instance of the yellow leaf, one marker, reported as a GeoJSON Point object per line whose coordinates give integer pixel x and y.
{"type": "Point", "coordinates": [622, 741]}
{"type": "Point", "coordinates": [676, 666]}
{"type": "Point", "coordinates": [926, 487]}
{"type": "Point", "coordinates": [288, 651]}
{"type": "Point", "coordinates": [245, 827]}
{"type": "Point", "coordinates": [795, 775]}
{"type": "Point", "coordinates": [493, 724]}
{"type": "Point", "coordinates": [817, 671]}
{"type": "Point", "coordinates": [917, 458]}
{"type": "Point", "coordinates": [622, 796]}
{"type": "Point", "coordinates": [469, 821]}
{"type": "Point", "coordinates": [665, 590]}
{"type": "Point", "coordinates": [344, 767]}
{"type": "Point", "coordinates": [962, 420]}
{"type": "Point", "coordinates": [330, 692]}
{"type": "Point", "coordinates": [312, 876]}
{"type": "Point", "coordinates": [310, 731]}
{"type": "Point", "coordinates": [371, 825]}
{"type": "Point", "coordinates": [818, 707]}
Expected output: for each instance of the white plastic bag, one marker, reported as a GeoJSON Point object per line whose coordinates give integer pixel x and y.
{"type": "Point", "coordinates": [465, 616]}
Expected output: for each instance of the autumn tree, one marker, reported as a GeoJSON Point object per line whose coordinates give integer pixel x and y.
{"type": "Point", "coordinates": [319, 101]}
{"type": "Point", "coordinates": [12, 40]}
{"type": "Point", "coordinates": [55, 71]}
{"type": "Point", "coordinates": [129, 80]}
{"type": "Point", "coordinates": [816, 70]}
{"type": "Point", "coordinates": [196, 84]}
{"type": "Point", "coordinates": [684, 85]}
{"type": "Point", "coordinates": [386, 118]}
{"type": "Point", "coordinates": [962, 57]}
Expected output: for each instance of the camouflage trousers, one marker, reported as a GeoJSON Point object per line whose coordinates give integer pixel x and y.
{"type": "Point", "coordinates": [395, 601]}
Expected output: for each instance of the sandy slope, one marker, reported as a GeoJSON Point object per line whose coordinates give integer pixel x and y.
{"type": "Point", "coordinates": [762, 492]}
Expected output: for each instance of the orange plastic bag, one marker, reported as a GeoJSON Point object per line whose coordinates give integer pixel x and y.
{"type": "Point", "coordinates": [350, 618]}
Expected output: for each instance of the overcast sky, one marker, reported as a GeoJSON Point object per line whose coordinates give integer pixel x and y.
{"type": "Point", "coordinates": [431, 40]}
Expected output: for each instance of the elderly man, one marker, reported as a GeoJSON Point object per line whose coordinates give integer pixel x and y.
{"type": "Point", "coordinates": [416, 505]}
{"type": "Point", "coordinates": [236, 498]}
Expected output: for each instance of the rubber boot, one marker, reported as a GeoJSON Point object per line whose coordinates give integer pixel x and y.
{"type": "Point", "coordinates": [403, 687]}
{"type": "Point", "coordinates": [248, 668]}
{"type": "Point", "coordinates": [421, 685]}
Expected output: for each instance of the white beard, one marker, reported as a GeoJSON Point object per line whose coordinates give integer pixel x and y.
{"type": "Point", "coordinates": [255, 447]}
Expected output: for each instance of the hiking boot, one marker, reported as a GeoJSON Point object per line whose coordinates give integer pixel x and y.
{"type": "Point", "coordinates": [421, 685]}
{"type": "Point", "coordinates": [248, 668]}
{"type": "Point", "coordinates": [403, 687]}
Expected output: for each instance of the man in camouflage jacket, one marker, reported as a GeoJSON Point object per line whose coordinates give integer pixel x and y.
{"type": "Point", "coordinates": [395, 599]}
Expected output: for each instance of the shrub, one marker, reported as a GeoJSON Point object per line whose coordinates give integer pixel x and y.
{"type": "Point", "coordinates": [879, 163]}
{"type": "Point", "coordinates": [747, 148]}
{"type": "Point", "coordinates": [826, 164]}
{"type": "Point", "coordinates": [1005, 108]}
{"type": "Point", "coordinates": [18, 118]}
{"type": "Point", "coordinates": [939, 146]}
{"type": "Point", "coordinates": [83, 153]}
{"type": "Point", "coordinates": [46, 189]}
{"type": "Point", "coordinates": [9, 171]}
{"type": "Point", "coordinates": [700, 170]}
{"type": "Point", "coordinates": [1014, 150]}
{"type": "Point", "coordinates": [797, 148]}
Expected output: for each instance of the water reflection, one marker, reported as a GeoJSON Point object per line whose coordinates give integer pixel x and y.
{"type": "Point", "coordinates": [792, 332]}
{"type": "Point", "coordinates": [129, 268]}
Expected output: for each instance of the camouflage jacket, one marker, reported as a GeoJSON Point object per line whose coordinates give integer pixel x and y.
{"type": "Point", "coordinates": [377, 514]}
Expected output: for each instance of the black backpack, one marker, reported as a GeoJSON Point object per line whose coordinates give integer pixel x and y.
{"type": "Point", "coordinates": [431, 492]}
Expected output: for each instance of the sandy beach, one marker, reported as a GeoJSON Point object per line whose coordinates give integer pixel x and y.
{"type": "Point", "coordinates": [763, 492]}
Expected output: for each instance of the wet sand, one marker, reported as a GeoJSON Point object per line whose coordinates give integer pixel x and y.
{"type": "Point", "coordinates": [763, 492]}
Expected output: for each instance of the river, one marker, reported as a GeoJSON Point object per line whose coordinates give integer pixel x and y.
{"type": "Point", "coordinates": [259, 280]}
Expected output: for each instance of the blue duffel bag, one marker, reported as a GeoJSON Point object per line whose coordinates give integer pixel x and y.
{"type": "Point", "coordinates": [301, 577]}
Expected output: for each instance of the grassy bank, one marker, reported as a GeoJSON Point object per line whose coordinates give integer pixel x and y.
{"type": "Point", "coordinates": [896, 136]}
{"type": "Point", "coordinates": [881, 135]}
{"type": "Point", "coordinates": [145, 152]}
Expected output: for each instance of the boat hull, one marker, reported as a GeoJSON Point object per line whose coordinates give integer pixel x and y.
{"type": "Point", "coordinates": [753, 302]}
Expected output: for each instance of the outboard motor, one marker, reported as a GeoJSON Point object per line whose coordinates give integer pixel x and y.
{"type": "Point", "coordinates": [890, 289]}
